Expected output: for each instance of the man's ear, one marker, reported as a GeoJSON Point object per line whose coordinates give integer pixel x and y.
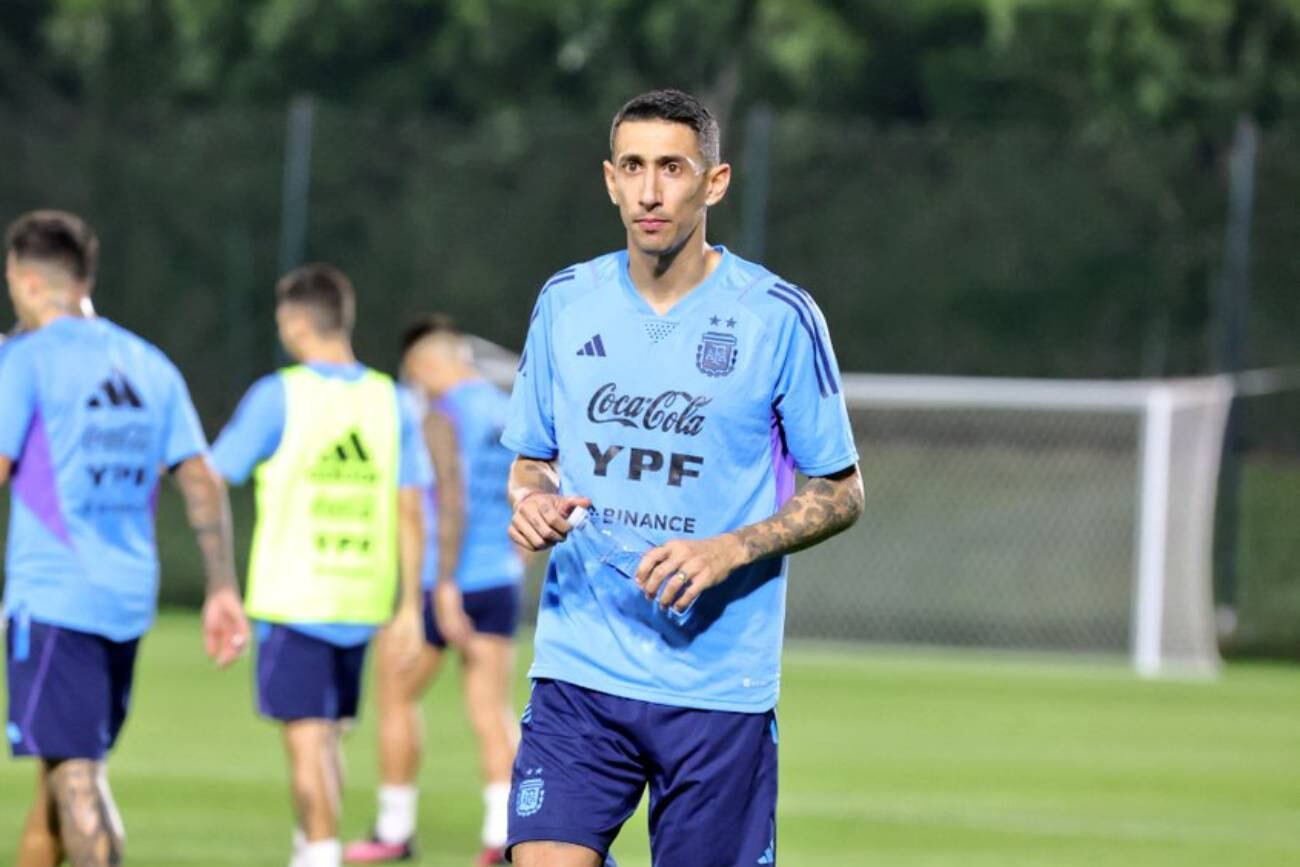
{"type": "Point", "coordinates": [719, 182]}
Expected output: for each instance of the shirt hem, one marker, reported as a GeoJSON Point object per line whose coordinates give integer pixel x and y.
{"type": "Point", "coordinates": [651, 696]}
{"type": "Point", "coordinates": [118, 637]}
{"type": "Point", "coordinates": [525, 450]}
{"type": "Point", "coordinates": [827, 467]}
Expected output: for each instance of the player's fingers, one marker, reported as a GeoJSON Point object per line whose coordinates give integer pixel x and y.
{"type": "Point", "coordinates": [676, 583]}
{"type": "Point", "coordinates": [531, 539]}
{"type": "Point", "coordinates": [695, 585]}
{"type": "Point", "coordinates": [662, 571]}
{"type": "Point", "coordinates": [649, 560]}
{"type": "Point", "coordinates": [518, 538]}
{"type": "Point", "coordinates": [540, 523]}
{"type": "Point", "coordinates": [556, 517]}
{"type": "Point", "coordinates": [568, 504]}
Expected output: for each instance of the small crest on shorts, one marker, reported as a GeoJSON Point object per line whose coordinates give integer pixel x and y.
{"type": "Point", "coordinates": [15, 733]}
{"type": "Point", "coordinates": [716, 354]}
{"type": "Point", "coordinates": [530, 795]}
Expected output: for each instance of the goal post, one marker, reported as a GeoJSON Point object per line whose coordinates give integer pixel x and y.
{"type": "Point", "coordinates": [1066, 515]}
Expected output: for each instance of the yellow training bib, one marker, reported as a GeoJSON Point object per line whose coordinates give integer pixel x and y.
{"type": "Point", "coordinates": [325, 545]}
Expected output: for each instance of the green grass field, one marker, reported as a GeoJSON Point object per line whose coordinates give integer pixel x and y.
{"type": "Point", "coordinates": [887, 759]}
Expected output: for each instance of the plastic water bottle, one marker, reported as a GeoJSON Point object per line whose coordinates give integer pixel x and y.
{"type": "Point", "coordinates": [621, 548]}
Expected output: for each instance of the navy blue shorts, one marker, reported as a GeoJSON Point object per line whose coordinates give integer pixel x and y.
{"type": "Point", "coordinates": [494, 611]}
{"type": "Point", "coordinates": [586, 757]}
{"type": "Point", "coordinates": [69, 691]}
{"type": "Point", "coordinates": [301, 677]}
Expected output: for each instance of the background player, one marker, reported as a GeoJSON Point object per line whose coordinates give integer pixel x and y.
{"type": "Point", "coordinates": [677, 387]}
{"type": "Point", "coordinates": [470, 568]}
{"type": "Point", "coordinates": [340, 470]}
{"type": "Point", "coordinates": [90, 416]}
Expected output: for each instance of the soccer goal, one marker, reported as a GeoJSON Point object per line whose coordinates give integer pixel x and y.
{"type": "Point", "coordinates": [1028, 514]}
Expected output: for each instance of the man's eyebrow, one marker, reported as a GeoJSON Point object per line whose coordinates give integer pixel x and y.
{"type": "Point", "coordinates": [660, 160]}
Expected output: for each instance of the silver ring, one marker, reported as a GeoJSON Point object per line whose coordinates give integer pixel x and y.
{"type": "Point", "coordinates": [686, 580]}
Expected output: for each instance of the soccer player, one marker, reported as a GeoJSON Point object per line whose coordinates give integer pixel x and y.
{"type": "Point", "coordinates": [472, 577]}
{"type": "Point", "coordinates": [90, 417]}
{"type": "Point", "coordinates": [340, 470]}
{"type": "Point", "coordinates": [672, 388]}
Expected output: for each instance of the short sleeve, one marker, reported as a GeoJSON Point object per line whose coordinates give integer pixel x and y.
{"type": "Point", "coordinates": [530, 424]}
{"type": "Point", "coordinates": [17, 400]}
{"type": "Point", "coordinates": [184, 438]}
{"type": "Point", "coordinates": [414, 469]}
{"type": "Point", "coordinates": [253, 434]}
{"type": "Point", "coordinates": [808, 399]}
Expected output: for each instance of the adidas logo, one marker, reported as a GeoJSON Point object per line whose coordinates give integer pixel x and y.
{"type": "Point", "coordinates": [593, 347]}
{"type": "Point", "coordinates": [347, 460]}
{"type": "Point", "coordinates": [116, 392]}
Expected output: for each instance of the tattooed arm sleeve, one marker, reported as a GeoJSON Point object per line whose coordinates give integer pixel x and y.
{"type": "Point", "coordinates": [825, 506]}
{"type": "Point", "coordinates": [440, 437]}
{"type": "Point", "coordinates": [531, 476]}
{"type": "Point", "coordinates": [208, 508]}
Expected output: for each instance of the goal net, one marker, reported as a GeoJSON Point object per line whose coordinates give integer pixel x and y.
{"type": "Point", "coordinates": [1027, 514]}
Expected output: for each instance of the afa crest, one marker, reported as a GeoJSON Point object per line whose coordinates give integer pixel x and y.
{"type": "Point", "coordinates": [716, 354]}
{"type": "Point", "coordinates": [530, 796]}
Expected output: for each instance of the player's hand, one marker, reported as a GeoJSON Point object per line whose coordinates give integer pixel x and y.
{"type": "Point", "coordinates": [685, 568]}
{"type": "Point", "coordinates": [225, 628]}
{"type": "Point", "coordinates": [541, 520]}
{"type": "Point", "coordinates": [449, 612]}
{"type": "Point", "coordinates": [406, 636]}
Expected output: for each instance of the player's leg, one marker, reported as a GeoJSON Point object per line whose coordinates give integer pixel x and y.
{"type": "Point", "coordinates": [401, 740]}
{"type": "Point", "coordinates": [577, 778]}
{"type": "Point", "coordinates": [488, 675]}
{"type": "Point", "coordinates": [39, 845]}
{"type": "Point", "coordinates": [69, 693]}
{"type": "Point", "coordinates": [310, 686]}
{"type": "Point", "coordinates": [313, 778]}
{"type": "Point", "coordinates": [712, 787]}
{"type": "Point", "coordinates": [89, 827]}
{"type": "Point", "coordinates": [550, 854]}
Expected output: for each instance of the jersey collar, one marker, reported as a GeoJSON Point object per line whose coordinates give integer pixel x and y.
{"type": "Point", "coordinates": [687, 302]}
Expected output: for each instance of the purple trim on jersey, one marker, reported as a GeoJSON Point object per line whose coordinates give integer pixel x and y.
{"type": "Point", "coordinates": [38, 685]}
{"type": "Point", "coordinates": [827, 384]}
{"type": "Point", "coordinates": [35, 482]}
{"type": "Point", "coordinates": [782, 466]}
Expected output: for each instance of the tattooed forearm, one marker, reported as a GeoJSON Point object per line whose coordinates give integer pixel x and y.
{"type": "Point", "coordinates": [531, 476]}
{"type": "Point", "coordinates": [208, 508]}
{"type": "Point", "coordinates": [440, 436]}
{"type": "Point", "coordinates": [87, 818]}
{"type": "Point", "coordinates": [824, 507]}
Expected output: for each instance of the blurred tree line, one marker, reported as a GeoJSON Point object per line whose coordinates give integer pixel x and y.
{"type": "Point", "coordinates": [1067, 156]}
{"type": "Point", "coordinates": [1081, 64]}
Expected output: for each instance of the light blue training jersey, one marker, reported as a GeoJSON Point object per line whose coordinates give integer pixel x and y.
{"type": "Point", "coordinates": [684, 425]}
{"type": "Point", "coordinates": [488, 559]}
{"type": "Point", "coordinates": [91, 415]}
{"type": "Point", "coordinates": [253, 436]}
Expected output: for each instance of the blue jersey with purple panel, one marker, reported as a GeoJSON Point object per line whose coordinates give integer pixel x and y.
{"type": "Point", "coordinates": [91, 415]}
{"type": "Point", "coordinates": [683, 425]}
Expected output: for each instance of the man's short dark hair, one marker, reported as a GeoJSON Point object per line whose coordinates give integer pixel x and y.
{"type": "Point", "coordinates": [433, 325]}
{"type": "Point", "coordinates": [56, 238]}
{"type": "Point", "coordinates": [323, 290]}
{"type": "Point", "coordinates": [675, 106]}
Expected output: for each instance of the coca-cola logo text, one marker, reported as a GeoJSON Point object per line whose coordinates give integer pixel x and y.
{"type": "Point", "coordinates": [670, 412]}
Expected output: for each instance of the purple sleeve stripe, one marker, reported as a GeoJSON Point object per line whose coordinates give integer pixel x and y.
{"type": "Point", "coordinates": [808, 317]}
